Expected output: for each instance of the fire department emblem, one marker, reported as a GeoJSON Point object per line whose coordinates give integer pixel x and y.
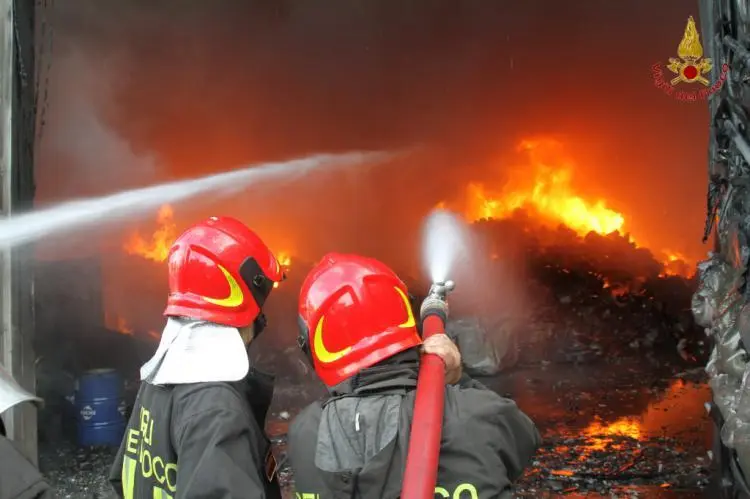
{"type": "Point", "coordinates": [691, 65]}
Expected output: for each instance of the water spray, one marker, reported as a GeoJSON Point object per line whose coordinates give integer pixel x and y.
{"type": "Point", "coordinates": [39, 223]}
{"type": "Point", "coordinates": [445, 237]}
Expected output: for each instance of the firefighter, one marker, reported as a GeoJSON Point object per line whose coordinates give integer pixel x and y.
{"type": "Point", "coordinates": [19, 479]}
{"type": "Point", "coordinates": [196, 429]}
{"type": "Point", "coordinates": [359, 331]}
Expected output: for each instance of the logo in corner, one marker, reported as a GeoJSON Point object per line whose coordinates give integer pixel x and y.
{"type": "Point", "coordinates": [690, 67]}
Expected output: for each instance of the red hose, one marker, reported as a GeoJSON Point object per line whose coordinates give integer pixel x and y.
{"type": "Point", "coordinates": [420, 475]}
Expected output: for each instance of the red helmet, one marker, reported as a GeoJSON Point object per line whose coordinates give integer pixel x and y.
{"type": "Point", "coordinates": [220, 271]}
{"type": "Point", "coordinates": [353, 313]}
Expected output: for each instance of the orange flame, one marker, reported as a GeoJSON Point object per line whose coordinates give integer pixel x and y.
{"type": "Point", "coordinates": [117, 323]}
{"type": "Point", "coordinates": [601, 436]}
{"type": "Point", "coordinates": [548, 193]}
{"type": "Point", "coordinates": [285, 261]}
{"type": "Point", "coordinates": [157, 249]}
{"type": "Point", "coordinates": [677, 264]}
{"type": "Point", "coordinates": [673, 411]}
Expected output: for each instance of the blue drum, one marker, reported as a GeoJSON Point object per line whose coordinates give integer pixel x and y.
{"type": "Point", "coordinates": [100, 408]}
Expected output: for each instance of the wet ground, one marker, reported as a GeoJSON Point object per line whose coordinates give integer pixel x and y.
{"type": "Point", "coordinates": [630, 429]}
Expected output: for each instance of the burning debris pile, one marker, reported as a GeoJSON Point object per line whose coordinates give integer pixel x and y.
{"type": "Point", "coordinates": [590, 289]}
{"type": "Point", "coordinates": [587, 297]}
{"type": "Point", "coordinates": [597, 296]}
{"type": "Point", "coordinates": [612, 296]}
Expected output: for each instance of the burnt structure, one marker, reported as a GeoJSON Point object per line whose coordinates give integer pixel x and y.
{"type": "Point", "coordinates": [722, 302]}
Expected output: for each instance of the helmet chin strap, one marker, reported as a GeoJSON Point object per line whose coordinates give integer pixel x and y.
{"type": "Point", "coordinates": [303, 340]}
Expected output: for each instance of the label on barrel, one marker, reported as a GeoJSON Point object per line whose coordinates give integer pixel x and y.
{"type": "Point", "coordinates": [88, 412]}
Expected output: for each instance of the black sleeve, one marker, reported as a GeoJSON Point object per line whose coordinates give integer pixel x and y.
{"type": "Point", "coordinates": [45, 492]}
{"type": "Point", "coordinates": [500, 432]}
{"type": "Point", "coordinates": [302, 443]}
{"type": "Point", "coordinates": [40, 490]}
{"type": "Point", "coordinates": [18, 477]}
{"type": "Point", "coordinates": [467, 381]}
{"type": "Point", "coordinates": [218, 450]}
{"type": "Point", "coordinates": [115, 474]}
{"type": "Point", "coordinates": [517, 438]}
{"type": "Point", "coordinates": [116, 487]}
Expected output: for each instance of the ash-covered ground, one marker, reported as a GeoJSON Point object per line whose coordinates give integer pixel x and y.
{"type": "Point", "coordinates": [607, 362]}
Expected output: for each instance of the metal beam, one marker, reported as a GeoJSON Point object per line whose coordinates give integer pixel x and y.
{"type": "Point", "coordinates": [15, 352]}
{"type": "Point", "coordinates": [7, 72]}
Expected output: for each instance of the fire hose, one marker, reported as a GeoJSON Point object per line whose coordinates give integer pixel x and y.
{"type": "Point", "coordinates": [420, 475]}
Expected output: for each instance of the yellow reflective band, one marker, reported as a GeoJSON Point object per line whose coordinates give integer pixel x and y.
{"type": "Point", "coordinates": [161, 494]}
{"type": "Point", "coordinates": [128, 476]}
{"type": "Point", "coordinates": [410, 322]}
{"type": "Point", "coordinates": [440, 491]}
{"type": "Point", "coordinates": [321, 352]}
{"type": "Point", "coordinates": [463, 490]}
{"type": "Point", "coordinates": [465, 487]}
{"type": "Point", "coordinates": [235, 297]}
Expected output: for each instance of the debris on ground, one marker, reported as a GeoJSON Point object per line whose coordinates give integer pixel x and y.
{"type": "Point", "coordinates": [77, 473]}
{"type": "Point", "coordinates": [629, 427]}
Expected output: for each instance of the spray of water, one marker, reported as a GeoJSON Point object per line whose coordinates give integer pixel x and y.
{"type": "Point", "coordinates": [34, 225]}
{"type": "Point", "coordinates": [445, 239]}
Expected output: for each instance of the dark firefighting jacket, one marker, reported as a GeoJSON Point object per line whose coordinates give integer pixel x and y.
{"type": "Point", "coordinates": [198, 440]}
{"type": "Point", "coordinates": [19, 479]}
{"type": "Point", "coordinates": [354, 444]}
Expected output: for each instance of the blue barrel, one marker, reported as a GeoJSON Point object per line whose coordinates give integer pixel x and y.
{"type": "Point", "coordinates": [100, 408]}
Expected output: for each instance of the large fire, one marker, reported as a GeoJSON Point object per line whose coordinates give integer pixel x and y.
{"type": "Point", "coordinates": [545, 189]}
{"type": "Point", "coordinates": [548, 192]}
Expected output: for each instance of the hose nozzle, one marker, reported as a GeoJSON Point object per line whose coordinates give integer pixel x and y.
{"type": "Point", "coordinates": [441, 289]}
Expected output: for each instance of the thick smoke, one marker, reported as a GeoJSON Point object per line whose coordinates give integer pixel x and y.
{"type": "Point", "coordinates": [208, 86]}
{"type": "Point", "coordinates": [141, 92]}
{"type": "Point", "coordinates": [79, 152]}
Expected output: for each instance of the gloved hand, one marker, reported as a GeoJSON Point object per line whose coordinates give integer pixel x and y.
{"type": "Point", "coordinates": [433, 305]}
{"type": "Point", "coordinates": [442, 346]}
